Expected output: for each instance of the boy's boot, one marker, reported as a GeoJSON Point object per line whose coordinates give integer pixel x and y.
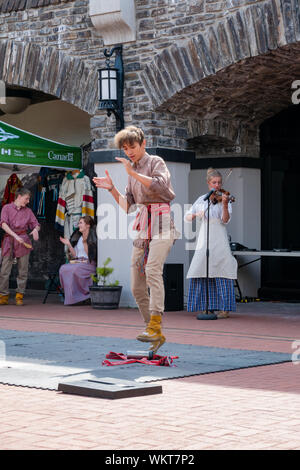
{"type": "Point", "coordinates": [3, 299]}
{"type": "Point", "coordinates": [19, 298]}
{"type": "Point", "coordinates": [155, 345]}
{"type": "Point", "coordinates": [153, 333]}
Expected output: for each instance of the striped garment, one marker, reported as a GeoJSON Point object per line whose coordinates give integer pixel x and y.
{"type": "Point", "coordinates": [220, 294]}
{"type": "Point", "coordinates": [88, 205]}
{"type": "Point", "coordinates": [60, 214]}
{"type": "Point", "coordinates": [75, 198]}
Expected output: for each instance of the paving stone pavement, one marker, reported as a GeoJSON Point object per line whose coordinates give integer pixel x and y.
{"type": "Point", "coordinates": [255, 408]}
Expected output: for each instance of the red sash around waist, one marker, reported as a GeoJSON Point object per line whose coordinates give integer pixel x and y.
{"type": "Point", "coordinates": [146, 216]}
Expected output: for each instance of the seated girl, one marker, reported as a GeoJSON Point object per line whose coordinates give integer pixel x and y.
{"type": "Point", "coordinates": [75, 276]}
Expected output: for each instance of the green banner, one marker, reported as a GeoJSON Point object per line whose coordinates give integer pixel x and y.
{"type": "Point", "coordinates": [23, 148]}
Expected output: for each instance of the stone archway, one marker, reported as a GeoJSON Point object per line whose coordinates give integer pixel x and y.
{"type": "Point", "coordinates": [248, 33]}
{"type": "Point", "coordinates": [240, 70]}
{"type": "Point", "coordinates": [47, 70]}
{"type": "Point", "coordinates": [51, 71]}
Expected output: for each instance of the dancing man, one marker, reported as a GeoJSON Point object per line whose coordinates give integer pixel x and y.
{"type": "Point", "coordinates": [149, 187]}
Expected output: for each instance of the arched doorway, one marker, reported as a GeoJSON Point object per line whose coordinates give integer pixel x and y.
{"type": "Point", "coordinates": [280, 147]}
{"type": "Point", "coordinates": [60, 121]}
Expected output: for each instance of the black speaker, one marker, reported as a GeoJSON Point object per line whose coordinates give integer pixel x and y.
{"type": "Point", "coordinates": [173, 282]}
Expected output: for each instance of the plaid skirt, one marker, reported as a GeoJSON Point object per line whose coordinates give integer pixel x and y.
{"type": "Point", "coordinates": [221, 294]}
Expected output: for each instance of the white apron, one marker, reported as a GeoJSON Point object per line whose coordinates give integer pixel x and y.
{"type": "Point", "coordinates": [221, 261]}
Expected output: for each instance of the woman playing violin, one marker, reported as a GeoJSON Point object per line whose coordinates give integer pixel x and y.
{"type": "Point", "coordinates": [222, 265]}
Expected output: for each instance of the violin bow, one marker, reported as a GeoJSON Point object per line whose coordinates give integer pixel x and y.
{"type": "Point", "coordinates": [228, 174]}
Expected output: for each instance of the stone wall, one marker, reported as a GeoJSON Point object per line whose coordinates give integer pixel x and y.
{"type": "Point", "coordinates": [202, 74]}
{"type": "Point", "coordinates": [6, 6]}
{"type": "Point", "coordinates": [194, 62]}
{"type": "Point", "coordinates": [65, 25]}
{"type": "Point", "coordinates": [198, 63]}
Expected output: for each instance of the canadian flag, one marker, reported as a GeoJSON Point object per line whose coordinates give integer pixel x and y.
{"type": "Point", "coordinates": [5, 151]}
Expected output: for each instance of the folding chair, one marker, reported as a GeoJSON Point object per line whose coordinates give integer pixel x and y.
{"type": "Point", "coordinates": [52, 285]}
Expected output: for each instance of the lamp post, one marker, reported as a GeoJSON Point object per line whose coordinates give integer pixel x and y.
{"type": "Point", "coordinates": [111, 86]}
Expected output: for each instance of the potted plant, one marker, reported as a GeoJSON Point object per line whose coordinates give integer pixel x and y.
{"type": "Point", "coordinates": [105, 295]}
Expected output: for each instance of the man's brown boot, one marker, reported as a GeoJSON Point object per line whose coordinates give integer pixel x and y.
{"type": "Point", "coordinates": [3, 299]}
{"type": "Point", "coordinates": [19, 298]}
{"type": "Point", "coordinates": [153, 334]}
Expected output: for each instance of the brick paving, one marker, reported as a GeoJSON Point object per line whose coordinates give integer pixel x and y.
{"type": "Point", "coordinates": [255, 408]}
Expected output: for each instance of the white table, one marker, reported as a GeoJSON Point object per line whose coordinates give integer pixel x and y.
{"type": "Point", "coordinates": [259, 254]}
{"type": "Point", "coordinates": [266, 253]}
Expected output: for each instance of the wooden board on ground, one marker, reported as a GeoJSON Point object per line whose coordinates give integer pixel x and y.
{"type": "Point", "coordinates": [109, 387]}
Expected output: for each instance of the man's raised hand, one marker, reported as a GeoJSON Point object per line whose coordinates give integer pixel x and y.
{"type": "Point", "coordinates": [104, 182]}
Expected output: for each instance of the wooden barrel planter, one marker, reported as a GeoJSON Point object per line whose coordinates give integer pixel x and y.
{"type": "Point", "coordinates": [105, 297]}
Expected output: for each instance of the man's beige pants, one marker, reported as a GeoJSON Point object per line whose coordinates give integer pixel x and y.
{"type": "Point", "coordinates": [7, 262]}
{"type": "Point", "coordinates": [153, 302]}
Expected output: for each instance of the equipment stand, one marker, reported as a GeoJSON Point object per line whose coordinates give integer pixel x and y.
{"type": "Point", "coordinates": [206, 315]}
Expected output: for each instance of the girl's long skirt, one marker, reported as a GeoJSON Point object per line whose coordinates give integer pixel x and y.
{"type": "Point", "coordinates": [75, 280]}
{"type": "Point", "coordinates": [221, 294]}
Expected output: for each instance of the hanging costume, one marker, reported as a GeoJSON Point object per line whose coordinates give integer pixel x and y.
{"type": "Point", "coordinates": [75, 201]}
{"type": "Point", "coordinates": [46, 193]}
{"type": "Point", "coordinates": [12, 185]}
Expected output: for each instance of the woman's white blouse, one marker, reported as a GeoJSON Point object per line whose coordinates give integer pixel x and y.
{"type": "Point", "coordinates": [79, 249]}
{"type": "Point", "coordinates": [215, 210]}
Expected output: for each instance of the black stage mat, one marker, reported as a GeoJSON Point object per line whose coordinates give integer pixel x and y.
{"type": "Point", "coordinates": [43, 360]}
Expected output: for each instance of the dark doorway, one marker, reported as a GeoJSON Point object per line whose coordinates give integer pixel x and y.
{"type": "Point", "coordinates": [280, 152]}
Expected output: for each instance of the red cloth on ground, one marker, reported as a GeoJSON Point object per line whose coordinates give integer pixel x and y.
{"type": "Point", "coordinates": [121, 359]}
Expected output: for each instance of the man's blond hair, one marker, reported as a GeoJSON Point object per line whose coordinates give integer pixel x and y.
{"type": "Point", "coordinates": [130, 135]}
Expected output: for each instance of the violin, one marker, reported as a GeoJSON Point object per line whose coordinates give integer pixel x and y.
{"type": "Point", "coordinates": [216, 197]}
